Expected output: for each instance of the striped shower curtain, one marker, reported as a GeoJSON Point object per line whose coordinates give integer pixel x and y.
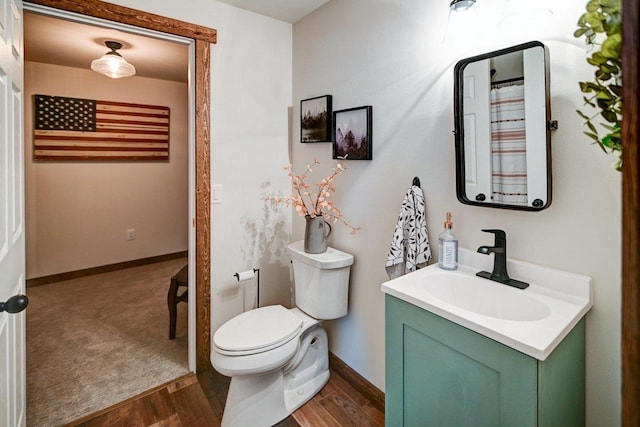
{"type": "Point", "coordinates": [508, 145]}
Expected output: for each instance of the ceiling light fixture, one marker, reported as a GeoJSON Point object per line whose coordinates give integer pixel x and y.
{"type": "Point", "coordinates": [112, 64]}
{"type": "Point", "coordinates": [461, 5]}
{"type": "Point", "coordinates": [462, 23]}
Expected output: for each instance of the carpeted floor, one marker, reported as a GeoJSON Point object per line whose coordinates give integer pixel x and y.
{"type": "Point", "coordinates": [96, 341]}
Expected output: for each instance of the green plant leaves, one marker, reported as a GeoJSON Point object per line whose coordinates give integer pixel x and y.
{"type": "Point", "coordinates": [588, 87]}
{"type": "Point", "coordinates": [612, 46]}
{"type": "Point", "coordinates": [593, 6]}
{"type": "Point", "coordinates": [580, 32]}
{"type": "Point", "coordinates": [589, 103]}
{"type": "Point", "coordinates": [610, 116]}
{"type": "Point", "coordinates": [603, 17]}
{"type": "Point", "coordinates": [593, 136]}
{"type": "Point", "coordinates": [581, 114]}
{"type": "Point", "coordinates": [616, 89]}
{"type": "Point", "coordinates": [592, 127]}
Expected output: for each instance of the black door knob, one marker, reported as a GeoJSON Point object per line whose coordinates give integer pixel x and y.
{"type": "Point", "coordinates": [15, 304]}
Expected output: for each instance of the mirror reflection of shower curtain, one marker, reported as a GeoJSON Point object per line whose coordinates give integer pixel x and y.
{"type": "Point", "coordinates": [508, 145]}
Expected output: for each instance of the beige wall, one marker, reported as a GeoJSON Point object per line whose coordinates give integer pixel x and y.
{"type": "Point", "coordinates": [250, 100]}
{"type": "Point", "coordinates": [391, 54]}
{"type": "Point", "coordinates": [77, 213]}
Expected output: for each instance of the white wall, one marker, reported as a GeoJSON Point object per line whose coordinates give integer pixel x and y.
{"type": "Point", "coordinates": [391, 54]}
{"type": "Point", "coordinates": [78, 213]}
{"type": "Point", "coordinates": [250, 99]}
{"type": "Point", "coordinates": [251, 82]}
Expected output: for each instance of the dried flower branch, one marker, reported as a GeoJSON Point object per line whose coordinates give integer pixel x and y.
{"type": "Point", "coordinates": [313, 204]}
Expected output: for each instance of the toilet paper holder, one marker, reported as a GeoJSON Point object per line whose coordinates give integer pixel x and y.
{"type": "Point", "coordinates": [248, 275]}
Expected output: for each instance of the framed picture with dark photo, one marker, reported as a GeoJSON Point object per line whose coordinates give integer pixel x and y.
{"type": "Point", "coordinates": [352, 133]}
{"type": "Point", "coordinates": [315, 119]}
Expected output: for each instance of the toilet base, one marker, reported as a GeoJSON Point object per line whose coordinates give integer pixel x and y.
{"type": "Point", "coordinates": [266, 399]}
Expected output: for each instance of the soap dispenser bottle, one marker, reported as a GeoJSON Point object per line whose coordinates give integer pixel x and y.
{"type": "Point", "coordinates": [448, 247]}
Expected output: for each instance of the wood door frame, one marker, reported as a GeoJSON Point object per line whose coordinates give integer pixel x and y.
{"type": "Point", "coordinates": [203, 38]}
{"type": "Point", "coordinates": [630, 221]}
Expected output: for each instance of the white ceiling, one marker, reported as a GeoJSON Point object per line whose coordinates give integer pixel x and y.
{"type": "Point", "coordinates": [61, 42]}
{"type": "Point", "coordinates": [73, 44]}
{"type": "Point", "coordinates": [284, 10]}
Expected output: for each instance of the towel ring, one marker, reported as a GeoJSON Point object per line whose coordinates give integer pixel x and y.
{"type": "Point", "coordinates": [416, 181]}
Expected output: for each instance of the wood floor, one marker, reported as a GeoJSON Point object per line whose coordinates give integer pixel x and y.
{"type": "Point", "coordinates": [199, 401]}
{"type": "Point", "coordinates": [180, 403]}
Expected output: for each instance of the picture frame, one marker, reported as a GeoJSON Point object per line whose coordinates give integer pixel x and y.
{"type": "Point", "coordinates": [352, 133]}
{"type": "Point", "coordinates": [316, 119]}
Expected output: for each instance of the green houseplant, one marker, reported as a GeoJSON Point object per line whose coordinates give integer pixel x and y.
{"type": "Point", "coordinates": [601, 27]}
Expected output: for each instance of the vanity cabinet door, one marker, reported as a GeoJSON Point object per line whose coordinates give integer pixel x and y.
{"type": "Point", "coordinates": [443, 375]}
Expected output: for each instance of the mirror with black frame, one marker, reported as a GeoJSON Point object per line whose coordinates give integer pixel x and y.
{"type": "Point", "coordinates": [502, 128]}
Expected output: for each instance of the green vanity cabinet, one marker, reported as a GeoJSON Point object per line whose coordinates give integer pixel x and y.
{"type": "Point", "coordinates": [441, 374]}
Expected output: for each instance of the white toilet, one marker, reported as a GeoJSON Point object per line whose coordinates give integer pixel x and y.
{"type": "Point", "coordinates": [277, 358]}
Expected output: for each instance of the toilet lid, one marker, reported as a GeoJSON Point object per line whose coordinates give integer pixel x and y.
{"type": "Point", "coordinates": [258, 329]}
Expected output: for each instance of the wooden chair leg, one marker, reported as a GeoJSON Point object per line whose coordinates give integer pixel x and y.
{"type": "Point", "coordinates": [173, 308]}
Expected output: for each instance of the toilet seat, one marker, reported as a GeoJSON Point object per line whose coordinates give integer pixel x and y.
{"type": "Point", "coordinates": [257, 331]}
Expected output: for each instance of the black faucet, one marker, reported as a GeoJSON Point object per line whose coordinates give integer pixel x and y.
{"type": "Point", "coordinates": [499, 250]}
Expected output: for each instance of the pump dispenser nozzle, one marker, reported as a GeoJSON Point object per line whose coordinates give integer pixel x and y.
{"type": "Point", "coordinates": [448, 224]}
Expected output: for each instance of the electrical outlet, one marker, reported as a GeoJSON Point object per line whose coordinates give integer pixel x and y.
{"type": "Point", "coordinates": [131, 234]}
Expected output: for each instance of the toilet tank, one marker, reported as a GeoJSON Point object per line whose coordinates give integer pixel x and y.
{"type": "Point", "coordinates": [321, 281]}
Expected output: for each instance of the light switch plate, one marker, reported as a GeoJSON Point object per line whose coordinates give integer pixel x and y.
{"type": "Point", "coordinates": [216, 194]}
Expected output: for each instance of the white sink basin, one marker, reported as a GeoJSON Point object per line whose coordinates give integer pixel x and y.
{"type": "Point", "coordinates": [532, 320]}
{"type": "Point", "coordinates": [480, 296]}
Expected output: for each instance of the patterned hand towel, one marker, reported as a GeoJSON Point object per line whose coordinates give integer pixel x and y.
{"type": "Point", "coordinates": [410, 246]}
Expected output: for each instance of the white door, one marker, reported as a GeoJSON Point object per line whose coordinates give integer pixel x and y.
{"type": "Point", "coordinates": [12, 251]}
{"type": "Point", "coordinates": [477, 130]}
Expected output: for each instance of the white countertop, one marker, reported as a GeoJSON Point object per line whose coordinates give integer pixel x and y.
{"type": "Point", "coordinates": [568, 297]}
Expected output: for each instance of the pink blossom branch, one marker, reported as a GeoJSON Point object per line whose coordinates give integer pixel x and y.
{"type": "Point", "coordinates": [320, 204]}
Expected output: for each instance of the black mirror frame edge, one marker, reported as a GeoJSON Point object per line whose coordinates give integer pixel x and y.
{"type": "Point", "coordinates": [459, 127]}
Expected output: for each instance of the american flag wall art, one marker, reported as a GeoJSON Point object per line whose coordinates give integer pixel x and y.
{"type": "Point", "coordinates": [85, 129]}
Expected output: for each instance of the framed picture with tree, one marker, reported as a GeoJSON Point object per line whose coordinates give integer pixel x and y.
{"type": "Point", "coordinates": [315, 119]}
{"type": "Point", "coordinates": [352, 133]}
